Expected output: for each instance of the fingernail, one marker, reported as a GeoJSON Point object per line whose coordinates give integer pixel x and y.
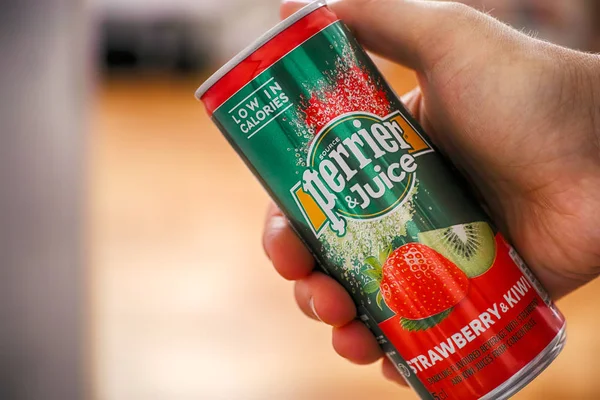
{"type": "Point", "coordinates": [311, 304]}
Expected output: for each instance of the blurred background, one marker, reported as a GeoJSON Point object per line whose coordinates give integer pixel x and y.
{"type": "Point", "coordinates": [133, 270]}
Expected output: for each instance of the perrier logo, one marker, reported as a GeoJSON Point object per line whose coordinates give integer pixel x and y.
{"type": "Point", "coordinates": [359, 166]}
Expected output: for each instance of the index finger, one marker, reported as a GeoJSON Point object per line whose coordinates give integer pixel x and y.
{"type": "Point", "coordinates": [287, 253]}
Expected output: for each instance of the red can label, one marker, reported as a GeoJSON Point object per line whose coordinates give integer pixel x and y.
{"type": "Point", "coordinates": [498, 329]}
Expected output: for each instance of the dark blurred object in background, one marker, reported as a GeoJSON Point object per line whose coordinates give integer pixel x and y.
{"type": "Point", "coordinates": [161, 44]}
{"type": "Point", "coordinates": [149, 37]}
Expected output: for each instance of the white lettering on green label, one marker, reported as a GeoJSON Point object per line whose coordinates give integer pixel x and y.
{"type": "Point", "coordinates": [260, 108]}
{"type": "Point", "coordinates": [359, 166]}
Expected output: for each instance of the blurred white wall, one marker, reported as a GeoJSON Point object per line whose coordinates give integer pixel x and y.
{"type": "Point", "coordinates": [42, 147]}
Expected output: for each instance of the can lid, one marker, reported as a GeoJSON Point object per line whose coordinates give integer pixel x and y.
{"type": "Point", "coordinates": [270, 34]}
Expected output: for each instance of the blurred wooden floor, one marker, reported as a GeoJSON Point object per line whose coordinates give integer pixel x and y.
{"type": "Point", "coordinates": [184, 303]}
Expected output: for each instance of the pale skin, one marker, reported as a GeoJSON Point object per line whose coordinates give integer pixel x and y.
{"type": "Point", "coordinates": [518, 116]}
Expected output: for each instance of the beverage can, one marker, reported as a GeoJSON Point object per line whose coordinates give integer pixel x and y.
{"type": "Point", "coordinates": [449, 300]}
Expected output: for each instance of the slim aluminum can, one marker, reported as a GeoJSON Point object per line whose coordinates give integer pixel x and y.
{"type": "Point", "coordinates": [450, 301]}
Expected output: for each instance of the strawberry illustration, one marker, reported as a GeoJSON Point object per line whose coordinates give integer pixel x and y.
{"type": "Point", "coordinates": [417, 283]}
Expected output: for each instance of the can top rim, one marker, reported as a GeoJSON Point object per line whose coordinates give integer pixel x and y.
{"type": "Point", "coordinates": [270, 34]}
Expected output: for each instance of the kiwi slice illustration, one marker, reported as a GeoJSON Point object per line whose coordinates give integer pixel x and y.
{"type": "Point", "coordinates": [470, 246]}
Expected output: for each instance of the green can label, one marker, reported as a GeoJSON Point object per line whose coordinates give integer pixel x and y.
{"type": "Point", "coordinates": [450, 302]}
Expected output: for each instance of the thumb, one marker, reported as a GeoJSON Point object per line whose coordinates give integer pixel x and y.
{"type": "Point", "coordinates": [416, 33]}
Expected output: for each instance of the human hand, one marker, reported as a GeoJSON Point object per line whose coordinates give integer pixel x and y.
{"type": "Point", "coordinates": [518, 116]}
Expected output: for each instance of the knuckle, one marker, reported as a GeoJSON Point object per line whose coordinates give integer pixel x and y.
{"type": "Point", "coordinates": [454, 14]}
{"type": "Point", "coordinates": [456, 9]}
